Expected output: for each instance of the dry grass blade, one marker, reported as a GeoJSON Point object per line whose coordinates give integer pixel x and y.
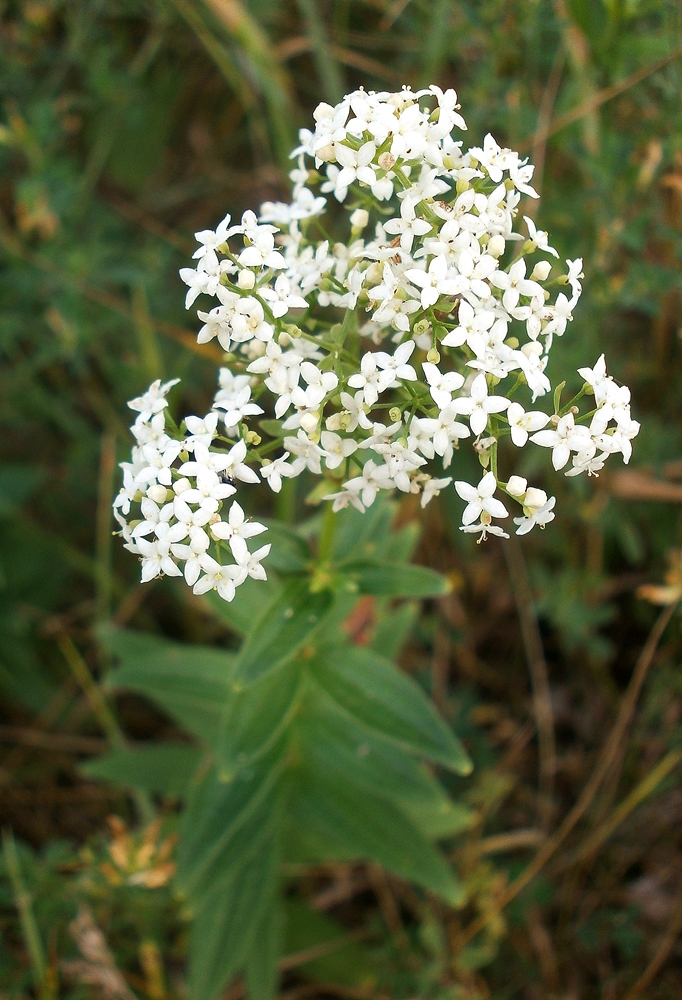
{"type": "Point", "coordinates": [660, 956]}
{"type": "Point", "coordinates": [608, 755]}
{"type": "Point", "coordinates": [602, 96]}
{"type": "Point", "coordinates": [635, 484]}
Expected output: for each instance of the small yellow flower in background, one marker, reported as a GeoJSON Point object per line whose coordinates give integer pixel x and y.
{"type": "Point", "coordinates": [139, 858]}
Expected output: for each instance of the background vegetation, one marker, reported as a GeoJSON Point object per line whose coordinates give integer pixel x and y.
{"type": "Point", "coordinates": [126, 126]}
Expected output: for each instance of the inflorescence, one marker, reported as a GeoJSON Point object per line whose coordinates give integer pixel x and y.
{"type": "Point", "coordinates": [373, 357]}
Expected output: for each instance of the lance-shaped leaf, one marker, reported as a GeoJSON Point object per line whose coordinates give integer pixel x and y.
{"type": "Point", "coordinates": [338, 819]}
{"type": "Point", "coordinates": [221, 821]}
{"type": "Point", "coordinates": [190, 682]}
{"type": "Point", "coordinates": [262, 960]}
{"type": "Point", "coordinates": [341, 746]}
{"type": "Point", "coordinates": [285, 625]}
{"type": "Point", "coordinates": [255, 717]}
{"type": "Point", "coordinates": [396, 579]}
{"type": "Point", "coordinates": [390, 702]}
{"type": "Point", "coordinates": [164, 768]}
{"type": "Point", "coordinates": [225, 926]}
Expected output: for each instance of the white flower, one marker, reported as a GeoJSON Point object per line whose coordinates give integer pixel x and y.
{"type": "Point", "coordinates": [371, 379]}
{"type": "Point", "coordinates": [408, 225]}
{"type": "Point", "coordinates": [201, 431]}
{"type": "Point", "coordinates": [223, 579]}
{"type": "Point", "coordinates": [480, 499]}
{"type": "Point", "coordinates": [565, 438]}
{"type": "Point", "coordinates": [522, 423]}
{"type": "Point", "coordinates": [435, 282]}
{"type": "Point", "coordinates": [441, 384]}
{"type": "Point", "coordinates": [431, 488]}
{"type": "Point", "coordinates": [541, 515]}
{"type": "Point", "coordinates": [336, 448]}
{"type": "Point", "coordinates": [211, 240]}
{"type": "Point", "coordinates": [539, 238]}
{"type": "Point", "coordinates": [397, 363]}
{"type": "Point", "coordinates": [236, 530]}
{"type": "Point", "coordinates": [154, 399]}
{"type": "Point", "coordinates": [274, 472]}
{"type": "Point", "coordinates": [250, 563]}
{"type": "Point", "coordinates": [374, 478]}
{"type": "Point", "coordinates": [514, 283]}
{"type": "Point", "coordinates": [479, 405]}
{"type": "Point", "coordinates": [198, 544]}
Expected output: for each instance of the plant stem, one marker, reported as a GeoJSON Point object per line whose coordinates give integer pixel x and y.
{"type": "Point", "coordinates": [22, 899]}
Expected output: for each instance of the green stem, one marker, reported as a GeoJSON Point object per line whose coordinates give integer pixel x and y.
{"type": "Point", "coordinates": [325, 543]}
{"type": "Point", "coordinates": [22, 900]}
{"type": "Point", "coordinates": [104, 716]}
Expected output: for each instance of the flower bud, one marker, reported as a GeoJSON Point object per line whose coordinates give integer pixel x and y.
{"type": "Point", "coordinates": [326, 153]}
{"type": "Point", "coordinates": [181, 485]}
{"type": "Point", "coordinates": [359, 219]}
{"type": "Point", "coordinates": [516, 486]}
{"type": "Point", "coordinates": [535, 498]}
{"type": "Point", "coordinates": [309, 421]}
{"type": "Point", "coordinates": [157, 493]}
{"type": "Point", "coordinates": [433, 357]}
{"type": "Point", "coordinates": [541, 271]}
{"type": "Point", "coordinates": [512, 342]}
{"type": "Point", "coordinates": [334, 421]}
{"type": "Point", "coordinates": [496, 245]}
{"type": "Point", "coordinates": [462, 185]}
{"type": "Point", "coordinates": [246, 279]}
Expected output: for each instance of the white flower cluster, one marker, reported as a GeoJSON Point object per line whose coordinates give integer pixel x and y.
{"type": "Point", "coordinates": [375, 356]}
{"type": "Point", "coordinates": [180, 484]}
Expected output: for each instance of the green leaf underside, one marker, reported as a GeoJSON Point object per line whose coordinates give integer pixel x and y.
{"type": "Point", "coordinates": [342, 821]}
{"type": "Point", "coordinates": [396, 579]}
{"type": "Point", "coordinates": [256, 716]}
{"type": "Point", "coordinates": [388, 701]}
{"type": "Point", "coordinates": [285, 626]}
{"type": "Point", "coordinates": [247, 605]}
{"type": "Point", "coordinates": [224, 821]}
{"type": "Point", "coordinates": [224, 928]}
{"type": "Point", "coordinates": [163, 768]}
{"type": "Point", "coordinates": [335, 744]}
{"type": "Point", "coordinates": [191, 683]}
{"type": "Point", "coordinates": [262, 961]}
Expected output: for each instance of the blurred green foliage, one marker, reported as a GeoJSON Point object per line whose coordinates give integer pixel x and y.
{"type": "Point", "coordinates": [124, 127]}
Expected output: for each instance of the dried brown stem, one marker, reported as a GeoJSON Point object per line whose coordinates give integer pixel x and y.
{"type": "Point", "coordinates": [580, 808]}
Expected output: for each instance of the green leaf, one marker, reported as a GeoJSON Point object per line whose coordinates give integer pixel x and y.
{"type": "Point", "coordinates": [346, 963]}
{"type": "Point", "coordinates": [361, 536]}
{"type": "Point", "coordinates": [339, 745]}
{"type": "Point", "coordinates": [393, 630]}
{"type": "Point", "coordinates": [390, 702]}
{"type": "Point", "coordinates": [396, 579]}
{"type": "Point", "coordinates": [281, 630]}
{"type": "Point", "coordinates": [223, 821]}
{"type": "Point", "coordinates": [289, 553]}
{"type": "Point", "coordinates": [340, 820]}
{"type": "Point", "coordinates": [190, 682]}
{"type": "Point", "coordinates": [248, 603]}
{"type": "Point", "coordinates": [165, 768]}
{"type": "Point", "coordinates": [255, 718]}
{"type": "Point", "coordinates": [262, 961]}
{"type": "Point", "coordinates": [225, 927]}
